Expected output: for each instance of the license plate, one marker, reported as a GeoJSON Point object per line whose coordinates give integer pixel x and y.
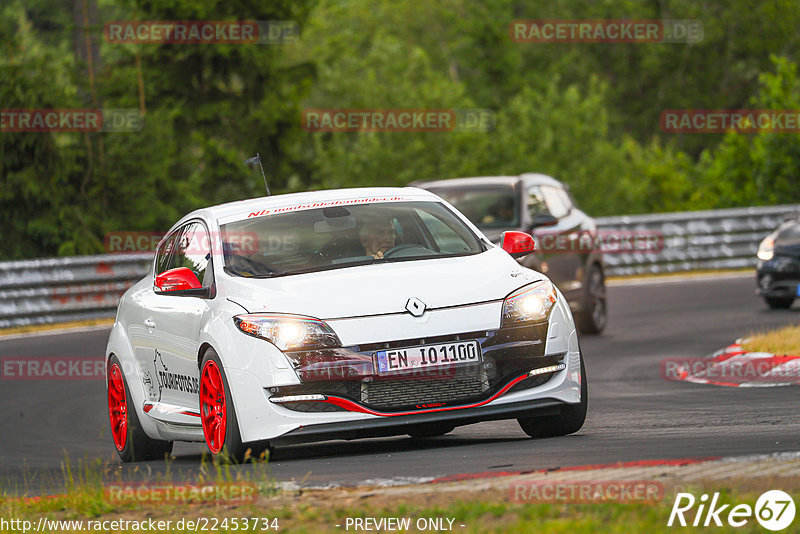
{"type": "Point", "coordinates": [427, 356]}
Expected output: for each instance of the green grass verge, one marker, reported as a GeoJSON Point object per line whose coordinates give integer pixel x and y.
{"type": "Point", "coordinates": [320, 511]}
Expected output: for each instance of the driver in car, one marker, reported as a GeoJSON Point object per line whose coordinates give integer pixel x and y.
{"type": "Point", "coordinates": [501, 212]}
{"type": "Point", "coordinates": [377, 236]}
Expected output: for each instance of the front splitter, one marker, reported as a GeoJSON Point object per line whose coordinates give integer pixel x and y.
{"type": "Point", "coordinates": [391, 426]}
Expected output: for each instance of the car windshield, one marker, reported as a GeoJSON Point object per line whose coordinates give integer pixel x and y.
{"type": "Point", "coordinates": [329, 238]}
{"type": "Point", "coordinates": [486, 207]}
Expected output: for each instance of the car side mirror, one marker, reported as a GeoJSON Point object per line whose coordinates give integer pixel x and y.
{"type": "Point", "coordinates": [178, 279]}
{"type": "Point", "coordinates": [543, 219]}
{"type": "Point", "coordinates": [517, 244]}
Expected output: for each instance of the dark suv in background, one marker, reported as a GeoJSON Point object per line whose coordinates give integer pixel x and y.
{"type": "Point", "coordinates": [778, 267]}
{"type": "Point", "coordinates": [543, 207]}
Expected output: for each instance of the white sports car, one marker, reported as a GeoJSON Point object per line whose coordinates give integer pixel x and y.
{"type": "Point", "coordinates": [337, 315]}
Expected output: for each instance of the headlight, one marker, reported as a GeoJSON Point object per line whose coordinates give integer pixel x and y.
{"type": "Point", "coordinates": [531, 303]}
{"type": "Point", "coordinates": [766, 248]}
{"type": "Point", "coordinates": [288, 332]}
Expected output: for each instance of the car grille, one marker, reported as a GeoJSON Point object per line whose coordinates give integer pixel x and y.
{"type": "Point", "coordinates": [312, 407]}
{"type": "Point", "coordinates": [465, 383]}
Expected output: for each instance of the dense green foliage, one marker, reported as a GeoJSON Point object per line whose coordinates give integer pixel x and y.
{"type": "Point", "coordinates": [587, 114]}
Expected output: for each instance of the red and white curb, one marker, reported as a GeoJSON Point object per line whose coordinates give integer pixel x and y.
{"type": "Point", "coordinates": [670, 473]}
{"type": "Point", "coordinates": [735, 367]}
{"type": "Point", "coordinates": [675, 471]}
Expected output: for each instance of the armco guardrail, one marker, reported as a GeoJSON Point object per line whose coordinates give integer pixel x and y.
{"type": "Point", "coordinates": [694, 240]}
{"type": "Point", "coordinates": [65, 289]}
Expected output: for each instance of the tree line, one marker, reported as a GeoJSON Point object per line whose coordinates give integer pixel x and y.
{"type": "Point", "coordinates": [585, 113]}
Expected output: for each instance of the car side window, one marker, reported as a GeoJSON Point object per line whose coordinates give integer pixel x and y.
{"type": "Point", "coordinates": [556, 201]}
{"type": "Point", "coordinates": [566, 198]}
{"type": "Point", "coordinates": [164, 252]}
{"type": "Point", "coordinates": [447, 240]}
{"type": "Point", "coordinates": [535, 201]}
{"type": "Point", "coordinates": [193, 251]}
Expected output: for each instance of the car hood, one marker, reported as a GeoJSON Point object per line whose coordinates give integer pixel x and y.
{"type": "Point", "coordinates": [787, 240]}
{"type": "Point", "coordinates": [385, 288]}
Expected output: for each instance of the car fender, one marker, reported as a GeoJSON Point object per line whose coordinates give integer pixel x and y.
{"type": "Point", "coordinates": [120, 346]}
{"type": "Point", "coordinates": [238, 350]}
{"type": "Point", "coordinates": [250, 365]}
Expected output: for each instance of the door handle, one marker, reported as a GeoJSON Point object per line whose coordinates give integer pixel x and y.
{"type": "Point", "coordinates": [149, 323]}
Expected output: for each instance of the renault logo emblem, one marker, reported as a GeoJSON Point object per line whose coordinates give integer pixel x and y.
{"type": "Point", "coordinates": [415, 307]}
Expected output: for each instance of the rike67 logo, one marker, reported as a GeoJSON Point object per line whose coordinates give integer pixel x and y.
{"type": "Point", "coordinates": [774, 510]}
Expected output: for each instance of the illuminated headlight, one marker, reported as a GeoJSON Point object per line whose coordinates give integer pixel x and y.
{"type": "Point", "coordinates": [766, 248]}
{"type": "Point", "coordinates": [288, 332]}
{"type": "Point", "coordinates": [531, 303]}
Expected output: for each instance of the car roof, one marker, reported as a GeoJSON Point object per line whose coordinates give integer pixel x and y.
{"type": "Point", "coordinates": [241, 209]}
{"type": "Point", "coordinates": [529, 179]}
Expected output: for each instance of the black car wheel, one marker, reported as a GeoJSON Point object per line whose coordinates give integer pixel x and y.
{"type": "Point", "coordinates": [779, 303]}
{"type": "Point", "coordinates": [593, 317]}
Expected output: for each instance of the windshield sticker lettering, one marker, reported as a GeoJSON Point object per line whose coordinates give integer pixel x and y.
{"type": "Point", "coordinates": [261, 213]}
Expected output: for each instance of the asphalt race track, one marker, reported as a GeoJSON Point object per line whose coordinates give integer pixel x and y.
{"type": "Point", "coordinates": [634, 414]}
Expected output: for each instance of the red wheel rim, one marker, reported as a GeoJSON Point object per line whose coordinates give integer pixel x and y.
{"type": "Point", "coordinates": [117, 407]}
{"type": "Point", "coordinates": [212, 407]}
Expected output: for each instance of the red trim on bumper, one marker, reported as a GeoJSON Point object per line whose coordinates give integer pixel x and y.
{"type": "Point", "coordinates": [148, 407]}
{"type": "Point", "coordinates": [355, 407]}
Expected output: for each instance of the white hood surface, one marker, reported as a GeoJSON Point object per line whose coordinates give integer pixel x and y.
{"type": "Point", "coordinates": [385, 288]}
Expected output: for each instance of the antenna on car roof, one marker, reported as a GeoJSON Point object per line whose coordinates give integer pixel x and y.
{"type": "Point", "coordinates": [257, 159]}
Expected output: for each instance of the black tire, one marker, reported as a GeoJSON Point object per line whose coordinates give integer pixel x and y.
{"type": "Point", "coordinates": [233, 450]}
{"type": "Point", "coordinates": [594, 313]}
{"type": "Point", "coordinates": [779, 303]}
{"type": "Point", "coordinates": [138, 446]}
{"type": "Point", "coordinates": [569, 421]}
{"type": "Point", "coordinates": [430, 430]}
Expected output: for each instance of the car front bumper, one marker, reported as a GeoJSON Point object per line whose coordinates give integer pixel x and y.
{"type": "Point", "coordinates": [778, 277]}
{"type": "Point", "coordinates": [260, 419]}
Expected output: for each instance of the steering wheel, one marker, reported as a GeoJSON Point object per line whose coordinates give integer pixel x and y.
{"type": "Point", "coordinates": [399, 248]}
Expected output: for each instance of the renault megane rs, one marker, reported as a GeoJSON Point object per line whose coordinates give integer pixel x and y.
{"type": "Point", "coordinates": [337, 315]}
